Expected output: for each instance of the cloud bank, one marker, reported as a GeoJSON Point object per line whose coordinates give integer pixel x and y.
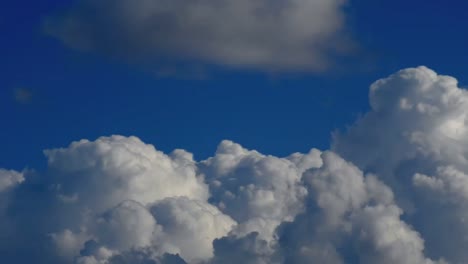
{"type": "Point", "coordinates": [262, 34]}
{"type": "Point", "coordinates": [392, 189]}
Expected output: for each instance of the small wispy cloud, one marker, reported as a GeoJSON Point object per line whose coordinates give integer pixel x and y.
{"type": "Point", "coordinates": [23, 95]}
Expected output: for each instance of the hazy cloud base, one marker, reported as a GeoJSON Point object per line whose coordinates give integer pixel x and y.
{"type": "Point", "coordinates": [394, 189]}
{"type": "Point", "coordinates": [278, 35]}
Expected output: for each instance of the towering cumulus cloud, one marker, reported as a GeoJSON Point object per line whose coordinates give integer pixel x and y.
{"type": "Point", "coordinates": [416, 139]}
{"type": "Point", "coordinates": [261, 34]}
{"type": "Point", "coordinates": [393, 189]}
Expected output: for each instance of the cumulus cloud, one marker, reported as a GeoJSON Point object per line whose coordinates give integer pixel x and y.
{"type": "Point", "coordinates": [257, 191]}
{"type": "Point", "coordinates": [110, 170]}
{"type": "Point", "coordinates": [101, 199]}
{"type": "Point", "coordinates": [393, 189]}
{"type": "Point", "coordinates": [9, 179]}
{"type": "Point", "coordinates": [118, 200]}
{"type": "Point", "coordinates": [249, 249]}
{"type": "Point", "coordinates": [189, 227]}
{"type": "Point", "coordinates": [415, 138]}
{"type": "Point", "coordinates": [265, 34]}
{"type": "Point", "coordinates": [352, 218]}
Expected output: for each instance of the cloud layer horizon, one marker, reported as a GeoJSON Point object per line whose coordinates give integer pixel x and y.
{"type": "Point", "coordinates": [393, 188]}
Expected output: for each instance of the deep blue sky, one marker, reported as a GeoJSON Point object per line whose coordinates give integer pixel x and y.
{"type": "Point", "coordinates": [77, 95]}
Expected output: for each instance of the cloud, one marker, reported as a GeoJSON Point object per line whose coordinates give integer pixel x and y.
{"type": "Point", "coordinates": [415, 138]}
{"type": "Point", "coordinates": [257, 191]}
{"type": "Point", "coordinates": [248, 249]}
{"type": "Point", "coordinates": [23, 96]}
{"type": "Point", "coordinates": [351, 217]}
{"type": "Point", "coordinates": [110, 170]}
{"type": "Point", "coordinates": [393, 189]}
{"type": "Point", "coordinates": [262, 35]}
{"type": "Point", "coordinates": [117, 199]}
{"type": "Point", "coordinates": [9, 179]}
{"type": "Point", "coordinates": [190, 226]}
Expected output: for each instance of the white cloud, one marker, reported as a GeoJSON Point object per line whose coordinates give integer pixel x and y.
{"type": "Point", "coordinates": [337, 187]}
{"type": "Point", "coordinates": [415, 139]}
{"type": "Point", "coordinates": [126, 226]}
{"type": "Point", "coordinates": [103, 173]}
{"type": "Point", "coordinates": [265, 34]}
{"type": "Point", "coordinates": [189, 227]}
{"type": "Point", "coordinates": [9, 179]}
{"type": "Point", "coordinates": [350, 216]}
{"type": "Point", "coordinates": [257, 191]}
{"type": "Point", "coordinates": [249, 249]}
{"type": "Point", "coordinates": [394, 189]}
{"type": "Point", "coordinates": [425, 112]}
{"type": "Point", "coordinates": [125, 195]}
{"type": "Point", "coordinates": [264, 209]}
{"type": "Point", "coordinates": [117, 199]}
{"type": "Point", "coordinates": [177, 226]}
{"type": "Point", "coordinates": [384, 238]}
{"type": "Point", "coordinates": [449, 182]}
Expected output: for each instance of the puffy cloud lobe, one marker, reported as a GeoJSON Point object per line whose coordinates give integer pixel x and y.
{"type": "Point", "coordinates": [128, 225]}
{"type": "Point", "coordinates": [423, 111]}
{"type": "Point", "coordinates": [443, 199]}
{"type": "Point", "coordinates": [257, 191]}
{"type": "Point", "coordinates": [449, 182]}
{"type": "Point", "coordinates": [189, 227]}
{"type": "Point", "coordinates": [337, 187]}
{"type": "Point", "coordinates": [265, 34]}
{"type": "Point", "coordinates": [176, 226]}
{"type": "Point", "coordinates": [9, 179]}
{"type": "Point", "coordinates": [350, 217]}
{"type": "Point", "coordinates": [389, 240]}
{"type": "Point", "coordinates": [414, 138]}
{"type": "Point", "coordinates": [249, 249]}
{"type": "Point", "coordinates": [67, 243]}
{"type": "Point", "coordinates": [103, 173]}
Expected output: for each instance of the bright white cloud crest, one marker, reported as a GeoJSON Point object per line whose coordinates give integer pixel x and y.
{"type": "Point", "coordinates": [394, 189]}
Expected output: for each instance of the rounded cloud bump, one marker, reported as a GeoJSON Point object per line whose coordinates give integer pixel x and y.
{"type": "Point", "coordinates": [416, 139]}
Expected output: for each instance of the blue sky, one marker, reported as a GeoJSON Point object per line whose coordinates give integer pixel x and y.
{"type": "Point", "coordinates": [81, 95]}
{"type": "Point", "coordinates": [241, 84]}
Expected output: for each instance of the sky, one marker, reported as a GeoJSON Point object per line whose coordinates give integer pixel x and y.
{"type": "Point", "coordinates": [180, 75]}
{"type": "Point", "coordinates": [81, 95]}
